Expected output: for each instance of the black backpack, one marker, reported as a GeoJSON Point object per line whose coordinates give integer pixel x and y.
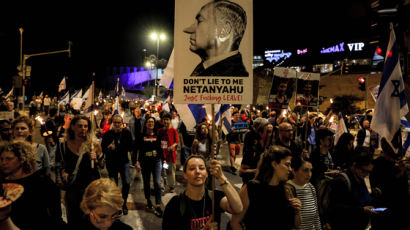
{"type": "Point", "coordinates": [324, 189]}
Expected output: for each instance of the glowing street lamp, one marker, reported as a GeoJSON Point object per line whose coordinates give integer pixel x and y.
{"type": "Point", "coordinates": [157, 37]}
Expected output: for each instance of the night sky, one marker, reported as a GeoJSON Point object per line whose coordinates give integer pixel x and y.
{"type": "Point", "coordinates": [106, 35]}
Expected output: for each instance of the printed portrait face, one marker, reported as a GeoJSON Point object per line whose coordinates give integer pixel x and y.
{"type": "Point", "coordinates": [202, 31]}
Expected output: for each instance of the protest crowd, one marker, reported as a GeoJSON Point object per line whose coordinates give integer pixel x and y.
{"type": "Point", "coordinates": [297, 169]}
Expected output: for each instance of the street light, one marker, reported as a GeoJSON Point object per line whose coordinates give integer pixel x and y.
{"type": "Point", "coordinates": [157, 37]}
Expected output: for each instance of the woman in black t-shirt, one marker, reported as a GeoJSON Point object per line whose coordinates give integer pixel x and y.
{"type": "Point", "coordinates": [149, 162]}
{"type": "Point", "coordinates": [265, 202]}
{"type": "Point", "coordinates": [193, 208]}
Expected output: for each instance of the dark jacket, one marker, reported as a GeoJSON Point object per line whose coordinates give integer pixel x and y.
{"type": "Point", "coordinates": [346, 206]}
{"type": "Point", "coordinates": [123, 145]}
{"type": "Point", "coordinates": [231, 66]}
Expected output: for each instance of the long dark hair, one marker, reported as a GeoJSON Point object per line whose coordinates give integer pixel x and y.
{"type": "Point", "coordinates": [265, 169]}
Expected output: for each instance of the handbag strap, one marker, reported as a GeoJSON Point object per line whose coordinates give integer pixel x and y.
{"type": "Point", "coordinates": [77, 166]}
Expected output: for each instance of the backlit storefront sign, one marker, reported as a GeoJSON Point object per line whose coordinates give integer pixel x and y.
{"type": "Point", "coordinates": [334, 49]}
{"type": "Point", "coordinates": [276, 55]}
{"type": "Point", "coordinates": [355, 46]}
{"type": "Point", "coordinates": [352, 47]}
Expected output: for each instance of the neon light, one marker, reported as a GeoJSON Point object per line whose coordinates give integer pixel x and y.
{"type": "Point", "coordinates": [302, 51]}
{"type": "Point", "coordinates": [276, 55]}
{"type": "Point", "coordinates": [334, 49]}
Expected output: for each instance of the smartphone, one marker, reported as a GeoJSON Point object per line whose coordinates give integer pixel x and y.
{"type": "Point", "coordinates": [378, 209]}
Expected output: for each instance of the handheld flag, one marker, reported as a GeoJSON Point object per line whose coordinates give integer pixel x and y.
{"type": "Point", "coordinates": [65, 99]}
{"type": "Point", "coordinates": [11, 92]}
{"type": "Point", "coordinates": [225, 116]}
{"type": "Point", "coordinates": [89, 99]}
{"type": "Point", "coordinates": [62, 85]}
{"type": "Point", "coordinates": [86, 94]}
{"type": "Point", "coordinates": [391, 102]}
{"type": "Point", "coordinates": [77, 94]}
{"type": "Point", "coordinates": [340, 129]}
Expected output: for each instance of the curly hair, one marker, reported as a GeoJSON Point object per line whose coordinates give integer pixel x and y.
{"type": "Point", "coordinates": [101, 192]}
{"type": "Point", "coordinates": [23, 151]}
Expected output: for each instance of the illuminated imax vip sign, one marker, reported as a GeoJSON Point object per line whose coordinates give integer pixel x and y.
{"type": "Point", "coordinates": [358, 46]}
{"type": "Point", "coordinates": [276, 55]}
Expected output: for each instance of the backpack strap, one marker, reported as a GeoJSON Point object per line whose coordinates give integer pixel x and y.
{"type": "Point", "coordinates": [290, 190]}
{"type": "Point", "coordinates": [349, 184]}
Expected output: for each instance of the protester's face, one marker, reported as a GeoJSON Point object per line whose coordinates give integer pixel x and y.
{"type": "Point", "coordinates": [283, 169]}
{"type": "Point", "coordinates": [117, 123]}
{"type": "Point", "coordinates": [304, 173]}
{"type": "Point", "coordinates": [366, 124]}
{"type": "Point", "coordinates": [282, 88]}
{"type": "Point", "coordinates": [286, 132]}
{"type": "Point", "coordinates": [103, 217]}
{"type": "Point", "coordinates": [21, 131]}
{"type": "Point", "coordinates": [137, 112]}
{"type": "Point", "coordinates": [5, 130]}
{"type": "Point", "coordinates": [150, 124]}
{"type": "Point", "coordinates": [166, 122]}
{"type": "Point", "coordinates": [80, 128]}
{"type": "Point", "coordinates": [202, 32]}
{"type": "Point", "coordinates": [204, 129]}
{"type": "Point", "coordinates": [326, 142]}
{"type": "Point", "coordinates": [10, 106]}
{"type": "Point", "coordinates": [363, 171]}
{"type": "Point", "coordinates": [235, 117]}
{"type": "Point", "coordinates": [307, 88]}
{"type": "Point", "coordinates": [9, 163]}
{"type": "Point", "coordinates": [196, 173]}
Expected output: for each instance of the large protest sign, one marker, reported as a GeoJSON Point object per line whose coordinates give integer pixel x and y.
{"type": "Point", "coordinates": [213, 52]}
{"type": "Point", "coordinates": [307, 91]}
{"type": "Point", "coordinates": [283, 86]}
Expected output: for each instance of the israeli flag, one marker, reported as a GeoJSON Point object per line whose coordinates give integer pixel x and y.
{"type": "Point", "coordinates": [224, 115]}
{"type": "Point", "coordinates": [85, 96]}
{"type": "Point", "coordinates": [391, 102]}
{"type": "Point", "coordinates": [77, 94]}
{"type": "Point", "coordinates": [193, 114]}
{"type": "Point", "coordinates": [65, 99]}
{"type": "Point", "coordinates": [406, 131]}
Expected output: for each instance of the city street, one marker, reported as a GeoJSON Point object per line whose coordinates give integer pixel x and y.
{"type": "Point", "coordinates": [140, 218]}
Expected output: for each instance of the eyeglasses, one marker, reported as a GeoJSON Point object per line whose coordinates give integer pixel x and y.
{"type": "Point", "coordinates": [104, 217]}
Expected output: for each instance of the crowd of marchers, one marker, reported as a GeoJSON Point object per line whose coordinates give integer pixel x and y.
{"type": "Point", "coordinates": [295, 174]}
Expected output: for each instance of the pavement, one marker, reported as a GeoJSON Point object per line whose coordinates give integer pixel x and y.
{"type": "Point", "coordinates": [140, 218]}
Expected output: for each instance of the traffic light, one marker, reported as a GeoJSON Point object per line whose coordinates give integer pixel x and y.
{"type": "Point", "coordinates": [362, 83]}
{"type": "Point", "coordinates": [27, 81]}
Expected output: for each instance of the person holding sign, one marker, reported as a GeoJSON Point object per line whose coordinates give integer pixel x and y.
{"type": "Point", "coordinates": [193, 208]}
{"type": "Point", "coordinates": [215, 37]}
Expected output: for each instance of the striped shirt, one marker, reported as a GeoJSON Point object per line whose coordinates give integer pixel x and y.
{"type": "Point", "coordinates": [309, 211]}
